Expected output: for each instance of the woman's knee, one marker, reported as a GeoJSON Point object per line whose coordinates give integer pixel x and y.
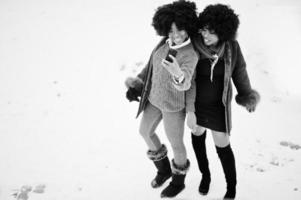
{"type": "Point", "coordinates": [144, 131]}
{"type": "Point", "coordinates": [147, 128]}
{"type": "Point", "coordinates": [221, 139]}
{"type": "Point", "coordinates": [177, 143]}
{"type": "Point", "coordinates": [199, 131]}
{"type": "Point", "coordinates": [150, 120]}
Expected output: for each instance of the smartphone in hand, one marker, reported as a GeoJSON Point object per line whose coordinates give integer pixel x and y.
{"type": "Point", "coordinates": [171, 52]}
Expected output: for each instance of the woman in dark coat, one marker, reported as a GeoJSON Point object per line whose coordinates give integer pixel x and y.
{"type": "Point", "coordinates": [221, 61]}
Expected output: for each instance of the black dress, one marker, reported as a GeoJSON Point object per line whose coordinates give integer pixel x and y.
{"type": "Point", "coordinates": [209, 108]}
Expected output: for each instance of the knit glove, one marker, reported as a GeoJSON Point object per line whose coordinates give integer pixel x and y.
{"type": "Point", "coordinates": [132, 94]}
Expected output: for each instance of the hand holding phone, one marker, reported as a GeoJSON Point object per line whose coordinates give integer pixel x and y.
{"type": "Point", "coordinates": [171, 52]}
{"type": "Point", "coordinates": [172, 65]}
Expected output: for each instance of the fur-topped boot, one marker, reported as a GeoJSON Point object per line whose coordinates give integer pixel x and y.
{"type": "Point", "coordinates": [199, 147]}
{"type": "Point", "coordinates": [178, 178]}
{"type": "Point", "coordinates": [162, 164]}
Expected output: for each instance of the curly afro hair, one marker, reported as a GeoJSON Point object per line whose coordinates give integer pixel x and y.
{"type": "Point", "coordinates": [181, 12]}
{"type": "Point", "coordinates": [221, 19]}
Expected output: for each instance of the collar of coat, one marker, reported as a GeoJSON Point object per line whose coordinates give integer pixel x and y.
{"type": "Point", "coordinates": [169, 42]}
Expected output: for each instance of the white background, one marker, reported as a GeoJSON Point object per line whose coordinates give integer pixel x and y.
{"type": "Point", "coordinates": [65, 122]}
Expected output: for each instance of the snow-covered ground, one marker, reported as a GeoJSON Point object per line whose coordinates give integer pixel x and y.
{"type": "Point", "coordinates": [67, 131]}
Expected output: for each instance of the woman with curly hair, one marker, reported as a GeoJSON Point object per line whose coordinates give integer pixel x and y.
{"type": "Point", "coordinates": [220, 61]}
{"type": "Point", "coordinates": [162, 85]}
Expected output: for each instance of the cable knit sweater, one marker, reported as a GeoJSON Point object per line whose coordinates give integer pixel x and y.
{"type": "Point", "coordinates": [164, 94]}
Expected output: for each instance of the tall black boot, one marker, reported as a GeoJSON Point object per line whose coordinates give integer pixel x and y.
{"type": "Point", "coordinates": [199, 147]}
{"type": "Point", "coordinates": [162, 164]}
{"type": "Point", "coordinates": [177, 183]}
{"type": "Point", "coordinates": [228, 163]}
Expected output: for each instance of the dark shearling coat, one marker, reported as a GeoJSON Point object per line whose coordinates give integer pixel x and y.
{"type": "Point", "coordinates": [238, 74]}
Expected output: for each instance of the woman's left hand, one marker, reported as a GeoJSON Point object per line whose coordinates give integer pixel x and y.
{"type": "Point", "coordinates": [191, 121]}
{"type": "Point", "coordinates": [172, 67]}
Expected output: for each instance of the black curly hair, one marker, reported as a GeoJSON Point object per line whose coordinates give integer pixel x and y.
{"type": "Point", "coordinates": [181, 12]}
{"type": "Point", "coordinates": [221, 19]}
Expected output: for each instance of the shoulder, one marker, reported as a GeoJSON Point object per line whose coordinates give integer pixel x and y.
{"type": "Point", "coordinates": [161, 44]}
{"type": "Point", "coordinates": [161, 49]}
{"type": "Point", "coordinates": [235, 49]}
{"type": "Point", "coordinates": [188, 52]}
{"type": "Point", "coordinates": [233, 44]}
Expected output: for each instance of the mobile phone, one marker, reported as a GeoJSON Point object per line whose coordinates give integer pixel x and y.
{"type": "Point", "coordinates": [171, 52]}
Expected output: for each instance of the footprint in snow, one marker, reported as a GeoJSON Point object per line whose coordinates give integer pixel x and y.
{"type": "Point", "coordinates": [39, 189]}
{"type": "Point", "coordinates": [22, 193]}
{"type": "Point", "coordinates": [290, 145]}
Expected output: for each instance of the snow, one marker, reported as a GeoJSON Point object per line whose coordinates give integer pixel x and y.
{"type": "Point", "coordinates": [66, 125]}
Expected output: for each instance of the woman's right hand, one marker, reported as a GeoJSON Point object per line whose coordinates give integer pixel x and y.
{"type": "Point", "coordinates": [191, 121]}
{"type": "Point", "coordinates": [172, 67]}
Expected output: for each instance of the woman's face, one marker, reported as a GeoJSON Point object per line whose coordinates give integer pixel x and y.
{"type": "Point", "coordinates": [209, 36]}
{"type": "Point", "coordinates": [177, 36]}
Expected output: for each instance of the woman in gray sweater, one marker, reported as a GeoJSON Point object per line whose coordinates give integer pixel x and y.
{"type": "Point", "coordinates": [162, 85]}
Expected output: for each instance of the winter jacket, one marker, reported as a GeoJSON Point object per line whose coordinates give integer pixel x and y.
{"type": "Point", "coordinates": [238, 73]}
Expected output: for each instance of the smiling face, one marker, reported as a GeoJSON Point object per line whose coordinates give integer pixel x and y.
{"type": "Point", "coordinates": [177, 36]}
{"type": "Point", "coordinates": [210, 37]}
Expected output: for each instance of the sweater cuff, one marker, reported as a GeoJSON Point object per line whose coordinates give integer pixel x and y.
{"type": "Point", "coordinates": [190, 107]}
{"type": "Point", "coordinates": [185, 85]}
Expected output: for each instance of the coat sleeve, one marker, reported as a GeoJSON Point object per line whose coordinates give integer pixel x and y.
{"type": "Point", "coordinates": [246, 95]}
{"type": "Point", "coordinates": [143, 72]}
{"type": "Point", "coordinates": [138, 82]}
{"type": "Point", "coordinates": [190, 95]}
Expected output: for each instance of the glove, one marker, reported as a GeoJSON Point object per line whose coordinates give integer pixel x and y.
{"type": "Point", "coordinates": [132, 94]}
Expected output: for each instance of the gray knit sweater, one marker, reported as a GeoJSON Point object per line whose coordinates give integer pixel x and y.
{"type": "Point", "coordinates": [164, 94]}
